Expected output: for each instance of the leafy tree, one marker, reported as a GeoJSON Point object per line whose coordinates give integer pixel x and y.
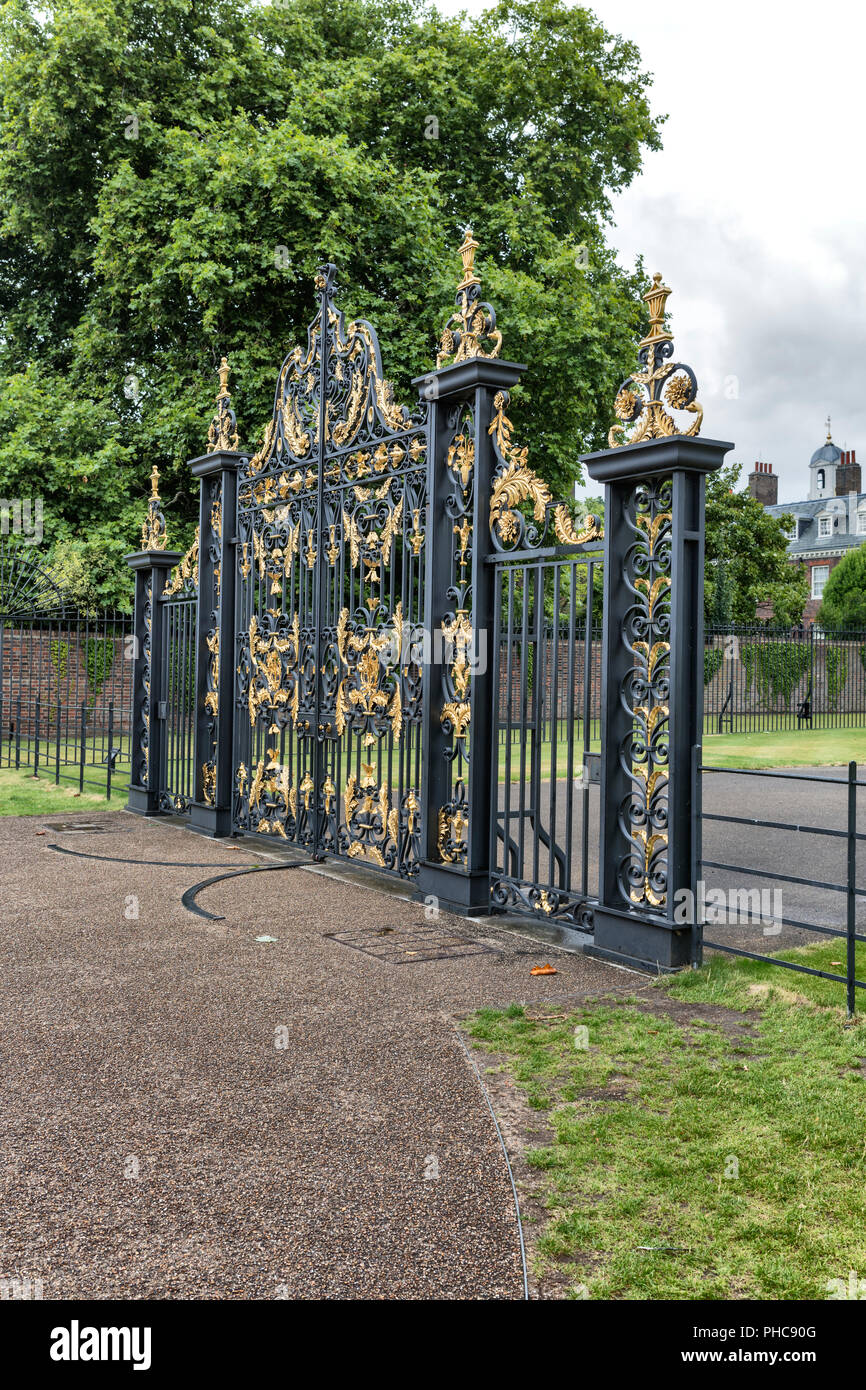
{"type": "Point", "coordinates": [747, 557]}
{"type": "Point", "coordinates": [843, 603]}
{"type": "Point", "coordinates": [174, 170]}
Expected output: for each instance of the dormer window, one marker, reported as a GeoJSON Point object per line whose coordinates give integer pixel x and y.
{"type": "Point", "coordinates": [825, 526]}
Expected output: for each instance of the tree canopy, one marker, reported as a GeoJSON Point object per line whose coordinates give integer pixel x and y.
{"type": "Point", "coordinates": [843, 602]}
{"type": "Point", "coordinates": [174, 170]}
{"type": "Point", "coordinates": [747, 557]}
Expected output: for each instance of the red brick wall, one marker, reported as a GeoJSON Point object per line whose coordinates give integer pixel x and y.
{"type": "Point", "coordinates": [29, 672]}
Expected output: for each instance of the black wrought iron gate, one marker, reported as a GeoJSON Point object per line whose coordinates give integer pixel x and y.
{"type": "Point", "coordinates": [395, 656]}
{"type": "Point", "coordinates": [332, 519]}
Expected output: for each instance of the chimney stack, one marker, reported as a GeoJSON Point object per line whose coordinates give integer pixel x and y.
{"type": "Point", "coordinates": [847, 474]}
{"type": "Point", "coordinates": [764, 485]}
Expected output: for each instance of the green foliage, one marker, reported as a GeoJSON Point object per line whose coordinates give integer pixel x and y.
{"type": "Point", "coordinates": [776, 668]}
{"type": "Point", "coordinates": [836, 669]}
{"type": "Point", "coordinates": [843, 603]}
{"type": "Point", "coordinates": [713, 658]}
{"type": "Point", "coordinates": [98, 662]}
{"type": "Point", "coordinates": [59, 655]}
{"type": "Point", "coordinates": [746, 557]}
{"type": "Point", "coordinates": [266, 139]}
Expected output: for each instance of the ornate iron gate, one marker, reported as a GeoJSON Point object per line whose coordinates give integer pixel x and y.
{"type": "Point", "coordinates": [332, 519]}
{"type": "Point", "coordinates": [177, 701]}
{"type": "Point", "coordinates": [394, 659]}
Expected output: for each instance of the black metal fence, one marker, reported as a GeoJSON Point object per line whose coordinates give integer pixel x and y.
{"type": "Point", "coordinates": [743, 916]}
{"type": "Point", "coordinates": [66, 698]}
{"type": "Point", "coordinates": [758, 679]}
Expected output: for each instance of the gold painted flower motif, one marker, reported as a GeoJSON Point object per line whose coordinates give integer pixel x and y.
{"type": "Point", "coordinates": [678, 392]}
{"type": "Point", "coordinates": [626, 403]}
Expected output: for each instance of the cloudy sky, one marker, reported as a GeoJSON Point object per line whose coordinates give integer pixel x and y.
{"type": "Point", "coordinates": [755, 212]}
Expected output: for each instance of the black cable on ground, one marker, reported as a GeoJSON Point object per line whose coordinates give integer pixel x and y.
{"type": "Point", "coordinates": [486, 1095]}
{"type": "Point", "coordinates": [145, 863]}
{"type": "Point", "coordinates": [189, 898]}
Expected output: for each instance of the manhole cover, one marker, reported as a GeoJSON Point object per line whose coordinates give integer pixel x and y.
{"type": "Point", "coordinates": [77, 827]}
{"type": "Point", "coordinates": [407, 945]}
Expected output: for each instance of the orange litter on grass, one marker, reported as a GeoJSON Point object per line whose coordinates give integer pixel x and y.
{"type": "Point", "coordinates": [543, 970]}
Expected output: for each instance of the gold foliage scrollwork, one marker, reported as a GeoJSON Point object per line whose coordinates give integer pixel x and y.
{"type": "Point", "coordinates": [185, 573]}
{"type": "Point", "coordinates": [363, 695]}
{"type": "Point", "coordinates": [274, 657]}
{"type": "Point", "coordinates": [515, 483]}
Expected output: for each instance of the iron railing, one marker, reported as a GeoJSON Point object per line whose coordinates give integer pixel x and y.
{"type": "Point", "coordinates": [758, 679]}
{"type": "Point", "coordinates": [66, 698]}
{"type": "Point", "coordinates": [846, 832]}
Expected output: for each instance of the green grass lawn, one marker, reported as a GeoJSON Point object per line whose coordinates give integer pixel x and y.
{"type": "Point", "coordinates": [806, 748]}
{"type": "Point", "coordinates": [22, 794]}
{"type": "Point", "coordinates": [736, 1140]}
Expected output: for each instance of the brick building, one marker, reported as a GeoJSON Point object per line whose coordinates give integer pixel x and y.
{"type": "Point", "coordinates": [828, 523]}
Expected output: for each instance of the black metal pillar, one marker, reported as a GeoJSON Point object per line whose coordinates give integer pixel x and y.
{"type": "Point", "coordinates": [652, 694]}
{"type": "Point", "coordinates": [462, 885]}
{"type": "Point", "coordinates": [211, 811]}
{"type": "Point", "coordinates": [152, 569]}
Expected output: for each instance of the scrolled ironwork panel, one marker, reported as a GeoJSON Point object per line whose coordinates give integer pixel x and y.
{"type": "Point", "coordinates": [332, 524]}
{"type": "Point", "coordinates": [645, 693]}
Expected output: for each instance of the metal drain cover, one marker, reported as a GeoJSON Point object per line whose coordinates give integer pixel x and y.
{"type": "Point", "coordinates": [409, 945]}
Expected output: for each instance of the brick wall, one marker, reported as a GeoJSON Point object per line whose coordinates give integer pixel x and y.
{"type": "Point", "coordinates": [30, 671]}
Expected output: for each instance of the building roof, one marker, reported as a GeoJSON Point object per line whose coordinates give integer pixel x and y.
{"type": "Point", "coordinates": [828, 453]}
{"type": "Point", "coordinates": [809, 542]}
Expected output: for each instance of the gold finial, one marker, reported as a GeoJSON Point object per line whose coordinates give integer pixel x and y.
{"type": "Point", "coordinates": [829, 440]}
{"type": "Point", "coordinates": [224, 391]}
{"type": "Point", "coordinates": [153, 527]}
{"type": "Point", "coordinates": [467, 251]}
{"type": "Point", "coordinates": [223, 431]}
{"type": "Point", "coordinates": [656, 298]}
{"type": "Point", "coordinates": [642, 397]}
{"type": "Point", "coordinates": [474, 319]}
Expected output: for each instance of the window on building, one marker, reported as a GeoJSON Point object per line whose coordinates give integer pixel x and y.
{"type": "Point", "coordinates": [861, 523]}
{"type": "Point", "coordinates": [791, 533]}
{"type": "Point", "coordinates": [820, 479]}
{"type": "Point", "coordinates": [825, 526]}
{"type": "Point", "coordinates": [819, 579]}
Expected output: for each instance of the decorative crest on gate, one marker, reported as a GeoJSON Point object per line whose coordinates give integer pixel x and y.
{"type": "Point", "coordinates": [474, 320]}
{"type": "Point", "coordinates": [153, 534]}
{"type": "Point", "coordinates": [643, 395]}
{"type": "Point", "coordinates": [223, 431]}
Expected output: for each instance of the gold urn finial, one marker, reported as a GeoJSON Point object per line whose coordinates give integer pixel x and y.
{"type": "Point", "coordinates": [224, 372]}
{"type": "Point", "coordinates": [829, 440]}
{"type": "Point", "coordinates": [656, 298]}
{"type": "Point", "coordinates": [659, 382]}
{"type": "Point", "coordinates": [467, 251]}
{"type": "Point", "coordinates": [222, 434]}
{"type": "Point", "coordinates": [474, 320]}
{"type": "Point", "coordinates": [153, 528]}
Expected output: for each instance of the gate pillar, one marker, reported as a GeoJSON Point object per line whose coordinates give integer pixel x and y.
{"type": "Point", "coordinates": [211, 811]}
{"type": "Point", "coordinates": [152, 566]}
{"type": "Point", "coordinates": [652, 658]}
{"type": "Point", "coordinates": [456, 776]}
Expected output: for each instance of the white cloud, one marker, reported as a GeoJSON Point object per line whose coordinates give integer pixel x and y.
{"type": "Point", "coordinates": [755, 212]}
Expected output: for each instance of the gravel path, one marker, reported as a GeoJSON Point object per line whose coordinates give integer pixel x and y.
{"type": "Point", "coordinates": [189, 1113]}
